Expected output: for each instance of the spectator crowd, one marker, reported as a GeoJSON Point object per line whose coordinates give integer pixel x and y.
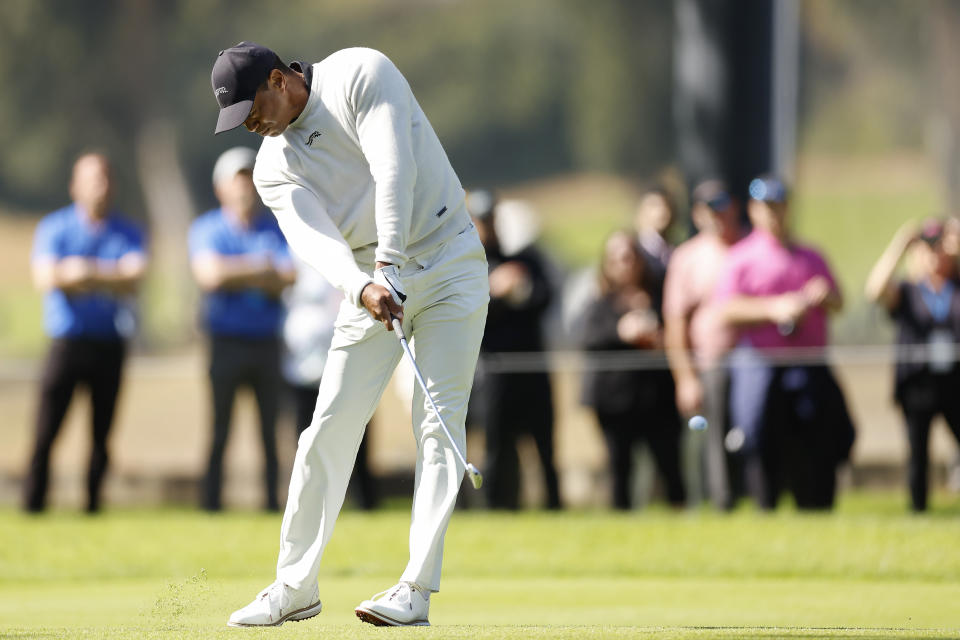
{"type": "Point", "coordinates": [730, 325]}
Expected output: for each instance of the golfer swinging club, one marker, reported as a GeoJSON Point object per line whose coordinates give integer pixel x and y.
{"type": "Point", "coordinates": [365, 194]}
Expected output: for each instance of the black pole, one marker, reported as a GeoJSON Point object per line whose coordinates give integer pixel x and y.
{"type": "Point", "coordinates": [735, 87]}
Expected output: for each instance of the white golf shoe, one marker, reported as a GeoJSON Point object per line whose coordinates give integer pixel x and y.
{"type": "Point", "coordinates": [275, 605]}
{"type": "Point", "coordinates": [403, 605]}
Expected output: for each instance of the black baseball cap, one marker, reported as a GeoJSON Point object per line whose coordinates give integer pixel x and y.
{"type": "Point", "coordinates": [237, 74]}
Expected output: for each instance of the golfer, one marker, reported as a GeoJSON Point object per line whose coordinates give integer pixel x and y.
{"type": "Point", "coordinates": [365, 194]}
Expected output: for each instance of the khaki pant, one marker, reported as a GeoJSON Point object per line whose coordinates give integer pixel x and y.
{"type": "Point", "coordinates": [444, 316]}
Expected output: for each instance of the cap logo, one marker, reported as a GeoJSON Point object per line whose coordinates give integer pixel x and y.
{"type": "Point", "coordinates": [219, 90]}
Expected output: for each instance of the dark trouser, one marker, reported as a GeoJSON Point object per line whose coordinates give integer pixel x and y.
{"type": "Point", "coordinates": [236, 361]}
{"type": "Point", "coordinates": [517, 404]}
{"type": "Point", "coordinates": [97, 364]}
{"type": "Point", "coordinates": [802, 439]}
{"type": "Point", "coordinates": [920, 405]}
{"type": "Point", "coordinates": [791, 458]}
{"type": "Point", "coordinates": [661, 430]}
{"type": "Point", "coordinates": [362, 483]}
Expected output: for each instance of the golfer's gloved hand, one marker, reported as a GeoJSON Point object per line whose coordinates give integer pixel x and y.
{"type": "Point", "coordinates": [383, 298]}
{"type": "Point", "coordinates": [389, 278]}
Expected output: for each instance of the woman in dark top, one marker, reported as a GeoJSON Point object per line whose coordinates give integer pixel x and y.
{"type": "Point", "coordinates": [632, 404]}
{"type": "Point", "coordinates": [927, 314]}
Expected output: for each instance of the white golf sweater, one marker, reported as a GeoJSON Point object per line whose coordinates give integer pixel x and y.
{"type": "Point", "coordinates": [360, 176]}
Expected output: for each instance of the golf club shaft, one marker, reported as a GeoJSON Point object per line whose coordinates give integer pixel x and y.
{"type": "Point", "coordinates": [423, 385]}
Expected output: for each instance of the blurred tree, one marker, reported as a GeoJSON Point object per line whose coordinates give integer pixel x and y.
{"type": "Point", "coordinates": [100, 85]}
{"type": "Point", "coordinates": [864, 86]}
{"type": "Point", "coordinates": [944, 25]}
{"type": "Point", "coordinates": [619, 86]}
{"type": "Point", "coordinates": [516, 90]}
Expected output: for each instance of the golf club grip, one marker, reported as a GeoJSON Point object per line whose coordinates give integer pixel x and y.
{"type": "Point", "coordinates": [397, 327]}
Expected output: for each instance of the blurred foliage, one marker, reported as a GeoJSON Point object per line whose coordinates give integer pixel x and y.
{"type": "Point", "coordinates": [515, 90]}
{"type": "Point", "coordinates": [567, 102]}
{"type": "Point", "coordinates": [866, 75]}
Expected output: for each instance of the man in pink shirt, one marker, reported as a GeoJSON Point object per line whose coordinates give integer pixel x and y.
{"type": "Point", "coordinates": [792, 418]}
{"type": "Point", "coordinates": [775, 291]}
{"type": "Point", "coordinates": [696, 340]}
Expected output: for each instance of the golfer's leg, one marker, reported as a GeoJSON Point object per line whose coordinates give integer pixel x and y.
{"type": "Point", "coordinates": [358, 368]}
{"type": "Point", "coordinates": [447, 341]}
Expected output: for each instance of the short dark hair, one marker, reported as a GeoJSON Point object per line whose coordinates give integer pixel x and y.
{"type": "Point", "coordinates": [277, 64]}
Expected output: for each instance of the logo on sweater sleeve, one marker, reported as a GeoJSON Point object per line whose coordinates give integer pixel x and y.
{"type": "Point", "coordinates": [313, 136]}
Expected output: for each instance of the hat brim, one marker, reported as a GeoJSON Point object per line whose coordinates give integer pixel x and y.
{"type": "Point", "coordinates": [233, 116]}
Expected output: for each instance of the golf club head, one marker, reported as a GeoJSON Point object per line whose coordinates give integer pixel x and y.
{"type": "Point", "coordinates": [475, 476]}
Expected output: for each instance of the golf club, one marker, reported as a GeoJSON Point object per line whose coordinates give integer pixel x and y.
{"type": "Point", "coordinates": [475, 476]}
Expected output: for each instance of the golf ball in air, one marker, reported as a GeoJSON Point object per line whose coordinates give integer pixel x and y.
{"type": "Point", "coordinates": [697, 423]}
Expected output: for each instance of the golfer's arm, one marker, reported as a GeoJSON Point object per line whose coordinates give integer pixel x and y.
{"type": "Point", "coordinates": [313, 236]}
{"type": "Point", "coordinates": [383, 105]}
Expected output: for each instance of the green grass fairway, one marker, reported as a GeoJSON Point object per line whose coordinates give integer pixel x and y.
{"type": "Point", "coordinates": [868, 570]}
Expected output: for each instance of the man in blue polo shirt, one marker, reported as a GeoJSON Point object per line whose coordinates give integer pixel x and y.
{"type": "Point", "coordinates": [240, 259]}
{"type": "Point", "coordinates": [88, 261]}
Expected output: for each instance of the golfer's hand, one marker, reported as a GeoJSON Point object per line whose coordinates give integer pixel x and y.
{"type": "Point", "coordinates": [379, 303]}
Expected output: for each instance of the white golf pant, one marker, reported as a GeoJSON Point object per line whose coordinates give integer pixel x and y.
{"type": "Point", "coordinates": [444, 317]}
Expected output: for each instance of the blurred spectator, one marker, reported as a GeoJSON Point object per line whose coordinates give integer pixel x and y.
{"type": "Point", "coordinates": [655, 214]}
{"type": "Point", "coordinates": [88, 260]}
{"type": "Point", "coordinates": [242, 263]}
{"type": "Point", "coordinates": [513, 404]}
{"type": "Point", "coordinates": [792, 424]}
{"type": "Point", "coordinates": [696, 339]}
{"type": "Point", "coordinates": [927, 315]}
{"type": "Point", "coordinates": [632, 405]}
{"type": "Point", "coordinates": [312, 307]}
